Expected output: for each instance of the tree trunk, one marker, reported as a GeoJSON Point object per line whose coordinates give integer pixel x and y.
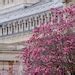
{"type": "Point", "coordinates": [73, 73]}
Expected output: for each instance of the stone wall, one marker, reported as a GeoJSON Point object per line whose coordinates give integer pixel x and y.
{"type": "Point", "coordinates": [10, 3]}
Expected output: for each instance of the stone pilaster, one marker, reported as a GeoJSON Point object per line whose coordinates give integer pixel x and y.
{"type": "Point", "coordinates": [10, 67]}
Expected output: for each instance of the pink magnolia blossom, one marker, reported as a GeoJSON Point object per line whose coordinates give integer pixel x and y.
{"type": "Point", "coordinates": [50, 48]}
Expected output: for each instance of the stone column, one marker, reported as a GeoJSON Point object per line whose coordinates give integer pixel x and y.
{"type": "Point", "coordinates": [26, 25]}
{"type": "Point", "coordinates": [9, 29]}
{"type": "Point", "coordinates": [35, 21]}
{"type": "Point", "coordinates": [16, 27]}
{"type": "Point", "coordinates": [39, 20]}
{"type": "Point", "coordinates": [1, 31]}
{"type": "Point", "coordinates": [46, 16]}
{"type": "Point", "coordinates": [42, 19]}
{"type": "Point", "coordinates": [50, 17]}
{"type": "Point", "coordinates": [10, 67]}
{"type": "Point", "coordinates": [5, 30]}
{"type": "Point", "coordinates": [30, 23]}
{"type": "Point", "coordinates": [12, 27]}
{"type": "Point", "coordinates": [21, 25]}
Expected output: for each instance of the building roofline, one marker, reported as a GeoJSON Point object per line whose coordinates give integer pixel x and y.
{"type": "Point", "coordinates": [29, 11]}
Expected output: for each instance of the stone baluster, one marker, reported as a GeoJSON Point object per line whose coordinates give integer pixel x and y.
{"type": "Point", "coordinates": [1, 30]}
{"type": "Point", "coordinates": [42, 19]}
{"type": "Point", "coordinates": [26, 25]}
{"type": "Point", "coordinates": [39, 20]}
{"type": "Point", "coordinates": [21, 26]}
{"type": "Point", "coordinates": [9, 29]}
{"type": "Point", "coordinates": [49, 17]}
{"type": "Point", "coordinates": [46, 18]}
{"type": "Point", "coordinates": [16, 27]}
{"type": "Point", "coordinates": [31, 24]}
{"type": "Point", "coordinates": [5, 30]}
{"type": "Point", "coordinates": [35, 21]}
{"type": "Point", "coordinates": [12, 26]}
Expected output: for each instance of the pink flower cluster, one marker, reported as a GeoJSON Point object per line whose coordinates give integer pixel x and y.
{"type": "Point", "coordinates": [51, 47]}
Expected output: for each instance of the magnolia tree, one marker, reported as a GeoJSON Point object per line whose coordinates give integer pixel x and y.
{"type": "Point", "coordinates": [51, 49]}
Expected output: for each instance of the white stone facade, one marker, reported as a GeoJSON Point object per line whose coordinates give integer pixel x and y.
{"type": "Point", "coordinates": [10, 3]}
{"type": "Point", "coordinates": [17, 19]}
{"type": "Point", "coordinates": [19, 22]}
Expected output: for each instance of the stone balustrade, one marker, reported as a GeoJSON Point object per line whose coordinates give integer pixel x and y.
{"type": "Point", "coordinates": [19, 28]}
{"type": "Point", "coordinates": [24, 24]}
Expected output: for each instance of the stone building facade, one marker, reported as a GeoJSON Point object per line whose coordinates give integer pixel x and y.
{"type": "Point", "coordinates": [17, 20]}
